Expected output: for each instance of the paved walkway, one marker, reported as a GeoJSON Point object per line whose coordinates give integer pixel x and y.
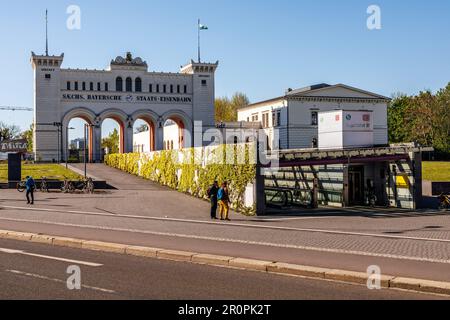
{"type": "Point", "coordinates": [413, 244]}
{"type": "Point", "coordinates": [116, 178]}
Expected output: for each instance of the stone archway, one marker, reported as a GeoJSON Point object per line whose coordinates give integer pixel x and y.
{"type": "Point", "coordinates": [90, 118]}
{"type": "Point", "coordinates": [184, 123]}
{"type": "Point", "coordinates": [125, 126]}
{"type": "Point", "coordinates": [151, 119]}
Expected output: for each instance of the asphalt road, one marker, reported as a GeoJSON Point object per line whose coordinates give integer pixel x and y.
{"type": "Point", "coordinates": [34, 271]}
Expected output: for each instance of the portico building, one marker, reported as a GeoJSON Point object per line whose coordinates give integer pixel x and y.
{"type": "Point", "coordinates": [125, 92]}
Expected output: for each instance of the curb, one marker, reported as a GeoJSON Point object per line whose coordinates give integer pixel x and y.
{"type": "Point", "coordinates": [387, 282]}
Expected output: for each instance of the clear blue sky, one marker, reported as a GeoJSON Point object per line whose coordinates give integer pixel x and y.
{"type": "Point", "coordinates": [264, 46]}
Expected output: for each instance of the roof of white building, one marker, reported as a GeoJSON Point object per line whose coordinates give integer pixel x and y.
{"type": "Point", "coordinates": [316, 89]}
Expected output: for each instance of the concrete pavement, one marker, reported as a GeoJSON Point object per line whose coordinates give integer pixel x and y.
{"type": "Point", "coordinates": [125, 277]}
{"type": "Point", "coordinates": [411, 244]}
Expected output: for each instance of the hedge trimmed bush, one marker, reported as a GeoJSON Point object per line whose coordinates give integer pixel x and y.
{"type": "Point", "coordinates": [189, 172]}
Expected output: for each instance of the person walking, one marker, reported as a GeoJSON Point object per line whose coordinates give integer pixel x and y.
{"type": "Point", "coordinates": [212, 194]}
{"type": "Point", "coordinates": [224, 199]}
{"type": "Point", "coordinates": [30, 185]}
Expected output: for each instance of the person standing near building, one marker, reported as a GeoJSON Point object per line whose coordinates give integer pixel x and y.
{"type": "Point", "coordinates": [224, 199]}
{"type": "Point", "coordinates": [30, 185]}
{"type": "Point", "coordinates": [212, 194]}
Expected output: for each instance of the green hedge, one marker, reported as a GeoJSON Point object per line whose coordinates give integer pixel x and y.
{"type": "Point", "coordinates": [190, 176]}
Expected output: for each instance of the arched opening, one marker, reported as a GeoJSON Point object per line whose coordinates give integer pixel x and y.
{"type": "Point", "coordinates": [119, 84]}
{"type": "Point", "coordinates": [112, 136]}
{"type": "Point", "coordinates": [143, 135]}
{"type": "Point", "coordinates": [79, 134]}
{"type": "Point", "coordinates": [138, 85]}
{"type": "Point", "coordinates": [129, 85]}
{"type": "Point", "coordinates": [174, 134]}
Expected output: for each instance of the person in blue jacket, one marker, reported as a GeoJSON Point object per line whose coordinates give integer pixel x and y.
{"type": "Point", "coordinates": [30, 185]}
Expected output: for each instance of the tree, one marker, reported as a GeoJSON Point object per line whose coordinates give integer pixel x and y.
{"type": "Point", "coordinates": [227, 110]}
{"type": "Point", "coordinates": [8, 132]}
{"type": "Point", "coordinates": [28, 135]}
{"type": "Point", "coordinates": [423, 118]}
{"type": "Point", "coordinates": [112, 142]}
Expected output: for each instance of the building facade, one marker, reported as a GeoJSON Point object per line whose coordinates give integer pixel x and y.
{"type": "Point", "coordinates": [292, 121]}
{"type": "Point", "coordinates": [126, 92]}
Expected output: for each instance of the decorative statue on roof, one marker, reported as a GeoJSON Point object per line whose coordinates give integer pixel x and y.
{"type": "Point", "coordinates": [129, 57]}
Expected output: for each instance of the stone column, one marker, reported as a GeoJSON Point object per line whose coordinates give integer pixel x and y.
{"type": "Point", "coordinates": [159, 138]}
{"type": "Point", "coordinates": [97, 144]}
{"type": "Point", "coordinates": [128, 139]}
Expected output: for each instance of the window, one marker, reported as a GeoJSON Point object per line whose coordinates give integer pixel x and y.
{"type": "Point", "coordinates": [178, 89]}
{"type": "Point", "coordinates": [129, 85]}
{"type": "Point", "coordinates": [48, 76]}
{"type": "Point", "coordinates": [106, 86]}
{"type": "Point", "coordinates": [265, 120]}
{"type": "Point", "coordinates": [314, 143]}
{"type": "Point", "coordinates": [157, 88]}
{"type": "Point", "coordinates": [119, 84]}
{"type": "Point", "coordinates": [248, 119]}
{"type": "Point", "coordinates": [314, 118]}
{"type": "Point", "coordinates": [99, 86]}
{"type": "Point", "coordinates": [150, 88]}
{"type": "Point", "coordinates": [164, 88]}
{"type": "Point", "coordinates": [255, 117]}
{"type": "Point", "coordinates": [91, 86]}
{"type": "Point", "coordinates": [276, 118]}
{"type": "Point", "coordinates": [185, 89]}
{"type": "Point", "coordinates": [204, 83]}
{"type": "Point", "coordinates": [76, 85]}
{"type": "Point", "coordinates": [68, 85]}
{"type": "Point", "coordinates": [84, 86]}
{"type": "Point", "coordinates": [171, 88]}
{"type": "Point", "coordinates": [138, 85]}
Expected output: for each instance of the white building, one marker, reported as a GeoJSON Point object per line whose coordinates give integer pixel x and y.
{"type": "Point", "coordinates": [141, 140]}
{"type": "Point", "coordinates": [295, 115]}
{"type": "Point", "coordinates": [126, 91]}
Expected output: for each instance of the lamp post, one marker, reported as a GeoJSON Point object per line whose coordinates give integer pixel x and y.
{"type": "Point", "coordinates": [67, 146]}
{"type": "Point", "coordinates": [86, 127]}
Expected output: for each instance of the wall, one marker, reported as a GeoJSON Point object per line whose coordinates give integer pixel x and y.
{"type": "Point", "coordinates": [193, 171]}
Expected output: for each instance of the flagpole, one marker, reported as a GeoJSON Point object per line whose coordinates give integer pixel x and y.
{"type": "Point", "coordinates": [46, 33]}
{"type": "Point", "coordinates": [198, 29]}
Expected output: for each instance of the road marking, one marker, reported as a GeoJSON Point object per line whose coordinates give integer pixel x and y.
{"type": "Point", "coordinates": [24, 253]}
{"type": "Point", "coordinates": [37, 276]}
{"type": "Point", "coordinates": [245, 242]}
{"type": "Point", "coordinates": [232, 224]}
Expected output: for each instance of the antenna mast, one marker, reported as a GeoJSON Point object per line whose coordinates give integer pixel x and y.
{"type": "Point", "coordinates": [46, 33]}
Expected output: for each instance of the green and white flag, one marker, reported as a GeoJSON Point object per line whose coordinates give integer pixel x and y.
{"type": "Point", "coordinates": [202, 27]}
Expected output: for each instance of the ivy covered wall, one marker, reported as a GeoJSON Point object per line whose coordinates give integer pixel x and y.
{"type": "Point", "coordinates": [193, 171]}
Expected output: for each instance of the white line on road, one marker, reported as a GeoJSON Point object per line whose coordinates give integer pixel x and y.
{"type": "Point", "coordinates": [245, 242]}
{"type": "Point", "coordinates": [23, 253]}
{"type": "Point", "coordinates": [37, 276]}
{"type": "Point", "coordinates": [244, 225]}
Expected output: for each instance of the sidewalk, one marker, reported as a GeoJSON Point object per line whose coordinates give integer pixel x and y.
{"type": "Point", "coordinates": [413, 245]}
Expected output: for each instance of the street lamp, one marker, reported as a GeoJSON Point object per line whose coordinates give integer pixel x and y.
{"type": "Point", "coordinates": [86, 127]}
{"type": "Point", "coordinates": [67, 146]}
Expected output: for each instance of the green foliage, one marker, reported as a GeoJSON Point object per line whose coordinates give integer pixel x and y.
{"type": "Point", "coordinates": [112, 142]}
{"type": "Point", "coordinates": [190, 176]}
{"type": "Point", "coordinates": [28, 135]}
{"type": "Point", "coordinates": [8, 132]}
{"type": "Point", "coordinates": [38, 171]}
{"type": "Point", "coordinates": [227, 110]}
{"type": "Point", "coordinates": [424, 118]}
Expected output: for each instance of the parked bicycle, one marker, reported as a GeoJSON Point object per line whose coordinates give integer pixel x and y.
{"type": "Point", "coordinates": [44, 185]}
{"type": "Point", "coordinates": [444, 202]}
{"type": "Point", "coordinates": [21, 186]}
{"type": "Point", "coordinates": [67, 186]}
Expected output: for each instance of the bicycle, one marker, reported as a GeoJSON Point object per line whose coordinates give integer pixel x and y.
{"type": "Point", "coordinates": [21, 186]}
{"type": "Point", "coordinates": [44, 185]}
{"type": "Point", "coordinates": [444, 202]}
{"type": "Point", "coordinates": [89, 186]}
{"type": "Point", "coordinates": [67, 187]}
